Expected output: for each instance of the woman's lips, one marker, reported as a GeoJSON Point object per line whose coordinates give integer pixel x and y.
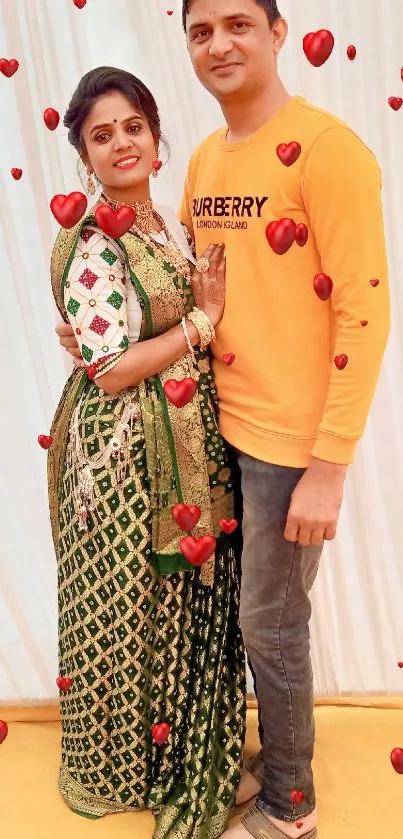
{"type": "Point", "coordinates": [127, 163]}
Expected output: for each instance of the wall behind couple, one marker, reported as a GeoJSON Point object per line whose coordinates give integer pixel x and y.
{"type": "Point", "coordinates": [357, 633]}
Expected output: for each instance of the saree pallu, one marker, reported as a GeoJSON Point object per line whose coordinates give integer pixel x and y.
{"type": "Point", "coordinates": [144, 645]}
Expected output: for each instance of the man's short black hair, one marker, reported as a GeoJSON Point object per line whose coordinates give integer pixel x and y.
{"type": "Point", "coordinates": [270, 7]}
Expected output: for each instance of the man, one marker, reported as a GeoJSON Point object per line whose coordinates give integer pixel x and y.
{"type": "Point", "coordinates": [308, 327]}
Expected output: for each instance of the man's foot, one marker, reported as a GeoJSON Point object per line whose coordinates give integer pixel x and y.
{"type": "Point", "coordinates": [289, 828]}
{"type": "Point", "coordinates": [248, 787]}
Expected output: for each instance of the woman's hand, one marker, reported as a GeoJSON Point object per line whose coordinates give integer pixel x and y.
{"type": "Point", "coordinates": [67, 339]}
{"type": "Point", "coordinates": [209, 288]}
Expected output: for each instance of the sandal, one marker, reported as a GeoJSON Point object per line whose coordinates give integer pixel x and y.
{"type": "Point", "coordinates": [261, 826]}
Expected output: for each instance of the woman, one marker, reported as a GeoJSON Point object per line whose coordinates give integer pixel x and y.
{"type": "Point", "coordinates": [147, 638]}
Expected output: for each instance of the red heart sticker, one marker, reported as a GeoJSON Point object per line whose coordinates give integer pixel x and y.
{"type": "Point", "coordinates": [397, 760]}
{"type": "Point", "coordinates": [115, 223]}
{"type": "Point", "coordinates": [341, 361]}
{"type": "Point", "coordinates": [288, 153]}
{"type": "Point", "coordinates": [351, 52]}
{"type": "Point", "coordinates": [157, 164]}
{"type": "Point", "coordinates": [374, 283]}
{"type": "Point", "coordinates": [180, 392]}
{"type": "Point", "coordinates": [69, 209]}
{"type": "Point", "coordinates": [160, 732]}
{"type": "Point", "coordinates": [186, 516]}
{"type": "Point", "coordinates": [318, 46]}
{"type": "Point", "coordinates": [80, 3]}
{"type": "Point", "coordinates": [198, 551]}
{"type": "Point", "coordinates": [170, 12]}
{"type": "Point", "coordinates": [228, 358]}
{"type": "Point", "coordinates": [299, 824]}
{"type": "Point", "coordinates": [17, 174]}
{"type": "Point", "coordinates": [301, 235]}
{"type": "Point", "coordinates": [64, 683]}
{"type": "Point", "coordinates": [323, 286]}
{"type": "Point", "coordinates": [92, 371]}
{"type": "Point", "coordinates": [297, 797]}
{"type": "Point", "coordinates": [400, 664]}
{"type": "Point", "coordinates": [8, 68]}
{"type": "Point", "coordinates": [395, 102]}
{"type": "Point", "coordinates": [45, 441]}
{"type": "Point", "coordinates": [52, 118]}
{"type": "Point", "coordinates": [3, 731]}
{"type": "Point", "coordinates": [364, 322]}
{"type": "Point", "coordinates": [281, 235]}
{"type": "Point", "coordinates": [228, 525]}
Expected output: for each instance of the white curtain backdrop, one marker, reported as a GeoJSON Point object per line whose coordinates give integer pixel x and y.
{"type": "Point", "coordinates": [356, 629]}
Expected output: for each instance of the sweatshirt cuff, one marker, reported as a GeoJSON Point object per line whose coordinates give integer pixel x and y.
{"type": "Point", "coordinates": [334, 449]}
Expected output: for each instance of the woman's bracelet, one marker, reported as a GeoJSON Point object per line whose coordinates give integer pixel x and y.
{"type": "Point", "coordinates": [187, 339]}
{"type": "Point", "coordinates": [204, 327]}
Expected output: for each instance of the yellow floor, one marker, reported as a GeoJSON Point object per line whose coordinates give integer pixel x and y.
{"type": "Point", "coordinates": [359, 794]}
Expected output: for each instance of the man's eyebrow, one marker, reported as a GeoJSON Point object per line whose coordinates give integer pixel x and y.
{"type": "Point", "coordinates": [238, 16]}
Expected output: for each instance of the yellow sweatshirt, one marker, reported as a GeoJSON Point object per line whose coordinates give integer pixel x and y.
{"type": "Point", "coordinates": [284, 398]}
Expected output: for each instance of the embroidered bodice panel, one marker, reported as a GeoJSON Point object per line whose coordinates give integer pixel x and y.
{"type": "Point", "coordinates": [102, 303]}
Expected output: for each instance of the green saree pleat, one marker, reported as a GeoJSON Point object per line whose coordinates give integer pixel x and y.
{"type": "Point", "coordinates": [141, 646]}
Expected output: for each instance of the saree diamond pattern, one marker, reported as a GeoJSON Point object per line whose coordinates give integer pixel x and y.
{"type": "Point", "coordinates": [144, 647]}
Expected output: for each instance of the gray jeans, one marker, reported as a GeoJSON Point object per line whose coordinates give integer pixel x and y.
{"type": "Point", "coordinates": [277, 577]}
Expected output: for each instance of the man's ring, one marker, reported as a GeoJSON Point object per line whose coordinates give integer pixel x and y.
{"type": "Point", "coordinates": [202, 265]}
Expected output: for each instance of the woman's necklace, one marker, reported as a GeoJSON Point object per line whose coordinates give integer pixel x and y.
{"type": "Point", "coordinates": [143, 209]}
{"type": "Point", "coordinates": [144, 226]}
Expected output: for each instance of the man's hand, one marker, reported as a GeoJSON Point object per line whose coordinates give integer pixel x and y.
{"type": "Point", "coordinates": [315, 504]}
{"type": "Point", "coordinates": [68, 341]}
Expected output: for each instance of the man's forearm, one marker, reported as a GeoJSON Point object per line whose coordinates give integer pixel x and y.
{"type": "Point", "coordinates": [326, 469]}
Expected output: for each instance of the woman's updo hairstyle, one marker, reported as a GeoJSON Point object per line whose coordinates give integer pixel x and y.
{"type": "Point", "coordinates": [95, 84]}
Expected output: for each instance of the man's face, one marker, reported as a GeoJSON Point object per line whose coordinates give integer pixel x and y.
{"type": "Point", "coordinates": [232, 48]}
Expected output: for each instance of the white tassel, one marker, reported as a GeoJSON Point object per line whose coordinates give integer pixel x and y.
{"type": "Point", "coordinates": [118, 449]}
{"type": "Point", "coordinates": [86, 484]}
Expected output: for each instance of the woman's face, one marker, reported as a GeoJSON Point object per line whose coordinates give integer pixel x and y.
{"type": "Point", "coordinates": [119, 144]}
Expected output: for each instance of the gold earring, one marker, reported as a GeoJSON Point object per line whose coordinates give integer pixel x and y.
{"type": "Point", "coordinates": [91, 188]}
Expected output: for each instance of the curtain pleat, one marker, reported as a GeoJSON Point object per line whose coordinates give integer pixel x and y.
{"type": "Point", "coordinates": [356, 627]}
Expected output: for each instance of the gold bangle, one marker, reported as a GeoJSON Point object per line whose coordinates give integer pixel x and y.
{"type": "Point", "coordinates": [187, 339]}
{"type": "Point", "coordinates": [204, 327]}
{"type": "Point", "coordinates": [207, 321]}
{"type": "Point", "coordinates": [210, 332]}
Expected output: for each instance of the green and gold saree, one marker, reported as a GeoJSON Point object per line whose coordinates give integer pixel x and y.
{"type": "Point", "coordinates": [145, 636]}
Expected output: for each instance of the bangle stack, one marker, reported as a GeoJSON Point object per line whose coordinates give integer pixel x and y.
{"type": "Point", "coordinates": [204, 327]}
